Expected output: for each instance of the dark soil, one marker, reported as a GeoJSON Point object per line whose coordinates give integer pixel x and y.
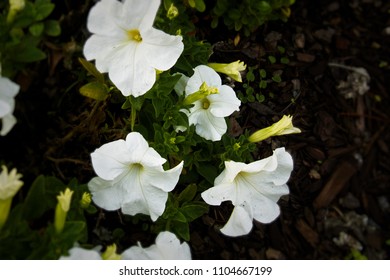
{"type": "Point", "coordinates": [340, 186]}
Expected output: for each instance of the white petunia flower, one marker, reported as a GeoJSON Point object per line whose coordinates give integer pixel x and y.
{"type": "Point", "coordinates": [212, 102]}
{"type": "Point", "coordinates": [8, 91]}
{"type": "Point", "coordinates": [131, 177]}
{"type": "Point", "coordinates": [254, 190]}
{"type": "Point", "coordinates": [78, 253]}
{"type": "Point", "coordinates": [125, 44]}
{"type": "Point", "coordinates": [167, 247]}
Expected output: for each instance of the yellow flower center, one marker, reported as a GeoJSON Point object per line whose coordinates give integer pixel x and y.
{"type": "Point", "coordinates": [133, 34]}
{"type": "Point", "coordinates": [205, 103]}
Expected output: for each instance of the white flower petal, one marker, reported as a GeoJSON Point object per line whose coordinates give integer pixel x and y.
{"type": "Point", "coordinates": [104, 194]}
{"type": "Point", "coordinates": [240, 222]}
{"type": "Point", "coordinates": [202, 73]}
{"type": "Point", "coordinates": [224, 103]}
{"type": "Point", "coordinates": [265, 210]}
{"type": "Point", "coordinates": [219, 193]}
{"type": "Point", "coordinates": [181, 84]}
{"type": "Point", "coordinates": [165, 48]}
{"type": "Point", "coordinates": [102, 50]}
{"type": "Point", "coordinates": [145, 199]}
{"type": "Point", "coordinates": [77, 253]}
{"type": "Point", "coordinates": [111, 160]}
{"type": "Point", "coordinates": [140, 152]}
{"type": "Point", "coordinates": [8, 122]}
{"type": "Point", "coordinates": [140, 13]}
{"type": "Point", "coordinates": [165, 180]}
{"type": "Point", "coordinates": [103, 18]}
{"type": "Point", "coordinates": [206, 125]}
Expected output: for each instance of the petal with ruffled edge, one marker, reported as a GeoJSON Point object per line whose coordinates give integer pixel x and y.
{"type": "Point", "coordinates": [103, 18]}
{"type": "Point", "coordinates": [111, 160]}
{"type": "Point", "coordinates": [105, 194]}
{"type": "Point", "coordinates": [165, 49]}
{"type": "Point", "coordinates": [224, 103]}
{"type": "Point", "coordinates": [206, 125]}
{"type": "Point", "coordinates": [8, 123]}
{"type": "Point", "coordinates": [240, 222]}
{"type": "Point", "coordinates": [202, 73]}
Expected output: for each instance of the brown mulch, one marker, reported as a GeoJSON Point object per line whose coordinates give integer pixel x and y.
{"type": "Point", "coordinates": [340, 186]}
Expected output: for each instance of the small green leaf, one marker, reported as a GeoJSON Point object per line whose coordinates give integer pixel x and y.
{"type": "Point", "coordinates": [194, 210]}
{"type": "Point", "coordinates": [43, 9]}
{"type": "Point", "coordinates": [90, 67]}
{"type": "Point", "coordinates": [29, 54]}
{"type": "Point", "coordinates": [52, 28]}
{"type": "Point", "coordinates": [284, 60]}
{"type": "Point", "coordinates": [180, 217]}
{"type": "Point", "coordinates": [277, 78]}
{"type": "Point", "coordinates": [272, 59]}
{"type": "Point", "coordinates": [200, 5]}
{"type": "Point", "coordinates": [188, 193]}
{"type": "Point", "coordinates": [263, 84]}
{"type": "Point", "coordinates": [263, 73]}
{"type": "Point", "coordinates": [180, 229]}
{"type": "Point", "coordinates": [36, 29]}
{"type": "Point", "coordinates": [95, 90]}
{"type": "Point", "coordinates": [264, 7]}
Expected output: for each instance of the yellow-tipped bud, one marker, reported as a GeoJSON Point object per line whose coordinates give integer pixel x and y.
{"type": "Point", "coordinates": [203, 92]}
{"type": "Point", "coordinates": [172, 12]}
{"type": "Point", "coordinates": [110, 253]}
{"type": "Point", "coordinates": [14, 7]}
{"type": "Point", "coordinates": [62, 208]}
{"type": "Point", "coordinates": [282, 127]}
{"type": "Point", "coordinates": [10, 184]}
{"type": "Point", "coordinates": [231, 69]}
{"type": "Point", "coordinates": [85, 200]}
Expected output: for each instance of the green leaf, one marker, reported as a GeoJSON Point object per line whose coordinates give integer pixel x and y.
{"type": "Point", "coordinates": [180, 217]}
{"type": "Point", "coordinates": [95, 90]}
{"type": "Point", "coordinates": [36, 29]}
{"type": "Point", "coordinates": [52, 28]}
{"type": "Point", "coordinates": [264, 8]}
{"type": "Point", "coordinates": [277, 78]}
{"type": "Point", "coordinates": [263, 73]}
{"type": "Point", "coordinates": [43, 9]}
{"type": "Point", "coordinates": [188, 193]}
{"type": "Point", "coordinates": [41, 196]}
{"type": "Point", "coordinates": [35, 203]}
{"type": "Point", "coordinates": [193, 210]}
{"type": "Point", "coordinates": [29, 54]}
{"type": "Point", "coordinates": [180, 229]}
{"type": "Point", "coordinates": [208, 171]}
{"type": "Point", "coordinates": [263, 84]}
{"type": "Point", "coordinates": [200, 5]}
{"type": "Point", "coordinates": [90, 67]}
{"type": "Point", "coordinates": [272, 59]}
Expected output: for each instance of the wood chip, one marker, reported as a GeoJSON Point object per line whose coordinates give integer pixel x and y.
{"type": "Point", "coordinates": [343, 172]}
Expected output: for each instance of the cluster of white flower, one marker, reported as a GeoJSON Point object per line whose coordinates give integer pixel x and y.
{"type": "Point", "coordinates": [125, 45]}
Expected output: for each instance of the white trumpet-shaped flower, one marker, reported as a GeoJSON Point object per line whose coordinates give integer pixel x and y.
{"type": "Point", "coordinates": [125, 44]}
{"type": "Point", "coordinates": [253, 189]}
{"type": "Point", "coordinates": [8, 91]}
{"type": "Point", "coordinates": [211, 100]}
{"type": "Point", "coordinates": [167, 247]}
{"type": "Point", "coordinates": [131, 177]}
